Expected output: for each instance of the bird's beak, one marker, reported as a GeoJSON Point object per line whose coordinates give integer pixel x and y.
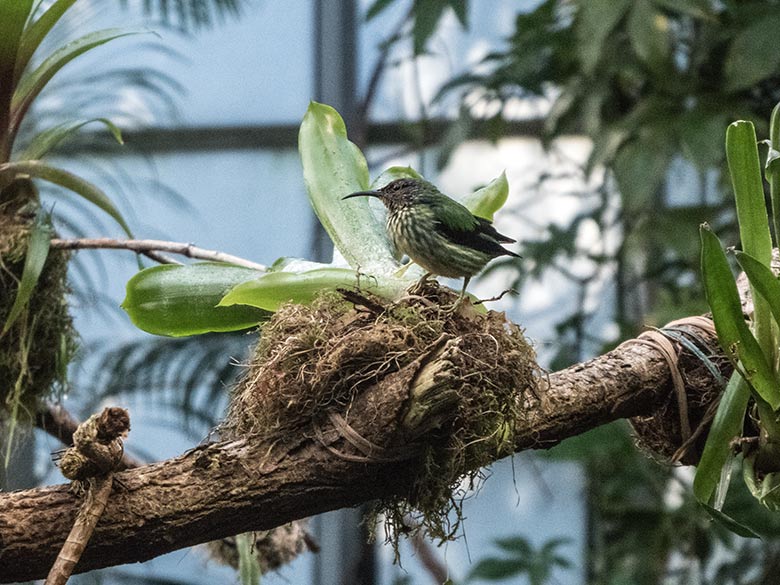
{"type": "Point", "coordinates": [377, 194]}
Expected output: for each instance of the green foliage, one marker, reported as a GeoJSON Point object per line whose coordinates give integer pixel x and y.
{"type": "Point", "coordinates": [522, 559]}
{"type": "Point", "coordinates": [179, 300]}
{"type": "Point", "coordinates": [37, 252]}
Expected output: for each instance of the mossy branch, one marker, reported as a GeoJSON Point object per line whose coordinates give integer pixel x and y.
{"type": "Point", "coordinates": [220, 489]}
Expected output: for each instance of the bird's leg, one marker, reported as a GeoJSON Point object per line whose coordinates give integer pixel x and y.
{"type": "Point", "coordinates": [461, 296]}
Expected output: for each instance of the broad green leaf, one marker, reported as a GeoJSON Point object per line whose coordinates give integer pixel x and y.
{"type": "Point", "coordinates": [272, 290]}
{"type": "Point", "coordinates": [333, 167]}
{"type": "Point", "coordinates": [745, 171]}
{"type": "Point", "coordinates": [734, 334]}
{"type": "Point", "coordinates": [753, 55]}
{"type": "Point", "coordinates": [394, 173]}
{"type": "Point", "coordinates": [486, 201]}
{"type": "Point", "coordinates": [37, 31]}
{"type": "Point", "coordinates": [31, 83]}
{"type": "Point", "coordinates": [728, 522]}
{"type": "Point", "coordinates": [48, 140]}
{"type": "Point", "coordinates": [248, 565]}
{"type": "Point", "coordinates": [640, 168]}
{"type": "Point", "coordinates": [763, 281]}
{"type": "Point", "coordinates": [63, 178]}
{"type": "Point", "coordinates": [178, 300]}
{"type": "Point", "coordinates": [726, 426]}
{"type": "Point", "coordinates": [37, 252]}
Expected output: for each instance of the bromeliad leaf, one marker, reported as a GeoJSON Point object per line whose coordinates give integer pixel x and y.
{"type": "Point", "coordinates": [177, 300]}
{"type": "Point", "coordinates": [272, 290]}
{"type": "Point", "coordinates": [332, 168]}
{"type": "Point", "coordinates": [71, 182]}
{"type": "Point", "coordinates": [37, 31]}
{"type": "Point", "coordinates": [734, 335]}
{"type": "Point", "coordinates": [48, 140]}
{"type": "Point", "coordinates": [489, 199]}
{"type": "Point", "coordinates": [37, 252]}
{"type": "Point", "coordinates": [31, 83]}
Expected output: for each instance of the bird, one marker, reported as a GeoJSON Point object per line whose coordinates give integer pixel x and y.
{"type": "Point", "coordinates": [437, 232]}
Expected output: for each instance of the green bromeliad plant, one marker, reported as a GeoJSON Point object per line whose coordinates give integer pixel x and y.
{"type": "Point", "coordinates": [36, 336]}
{"type": "Point", "coordinates": [205, 297]}
{"type": "Point", "coordinates": [747, 422]}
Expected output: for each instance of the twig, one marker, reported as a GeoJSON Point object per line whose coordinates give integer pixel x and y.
{"type": "Point", "coordinates": [90, 464]}
{"type": "Point", "coordinates": [151, 247]}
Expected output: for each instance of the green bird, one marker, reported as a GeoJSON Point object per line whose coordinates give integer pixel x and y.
{"type": "Point", "coordinates": [436, 232]}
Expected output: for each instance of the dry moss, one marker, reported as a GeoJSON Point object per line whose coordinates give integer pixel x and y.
{"type": "Point", "coordinates": [321, 358]}
{"type": "Point", "coordinates": [35, 351]}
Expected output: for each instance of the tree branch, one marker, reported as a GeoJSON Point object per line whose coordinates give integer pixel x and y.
{"type": "Point", "coordinates": [222, 489]}
{"type": "Point", "coordinates": [151, 247]}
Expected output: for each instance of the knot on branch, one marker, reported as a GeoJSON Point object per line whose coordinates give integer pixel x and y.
{"type": "Point", "coordinates": [376, 382]}
{"type": "Point", "coordinates": [97, 445]}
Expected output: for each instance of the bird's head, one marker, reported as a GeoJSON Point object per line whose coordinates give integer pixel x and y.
{"type": "Point", "coordinates": [397, 194]}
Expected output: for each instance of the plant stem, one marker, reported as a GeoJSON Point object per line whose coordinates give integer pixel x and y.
{"type": "Point", "coordinates": [149, 247]}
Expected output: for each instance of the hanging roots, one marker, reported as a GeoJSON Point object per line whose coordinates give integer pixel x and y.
{"type": "Point", "coordinates": [319, 359]}
{"type": "Point", "coordinates": [35, 351]}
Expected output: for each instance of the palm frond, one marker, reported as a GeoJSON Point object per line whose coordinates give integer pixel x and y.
{"type": "Point", "coordinates": [188, 15]}
{"type": "Point", "coordinates": [184, 380]}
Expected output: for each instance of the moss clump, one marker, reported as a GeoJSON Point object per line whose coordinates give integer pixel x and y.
{"type": "Point", "coordinates": [35, 351]}
{"type": "Point", "coordinates": [316, 359]}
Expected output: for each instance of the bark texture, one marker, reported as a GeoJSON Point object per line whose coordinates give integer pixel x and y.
{"type": "Point", "coordinates": [222, 489]}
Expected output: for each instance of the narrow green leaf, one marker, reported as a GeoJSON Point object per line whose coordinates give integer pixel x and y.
{"type": "Point", "coordinates": [771, 168]}
{"type": "Point", "coordinates": [728, 522]}
{"type": "Point", "coordinates": [37, 252]}
{"type": "Point", "coordinates": [272, 290]}
{"type": "Point", "coordinates": [37, 31]}
{"type": "Point", "coordinates": [63, 178]}
{"type": "Point", "coordinates": [248, 565]}
{"type": "Point", "coordinates": [726, 426]}
{"type": "Point", "coordinates": [31, 83]}
{"type": "Point", "coordinates": [763, 280]}
{"type": "Point", "coordinates": [486, 201]}
{"type": "Point", "coordinates": [734, 335]}
{"type": "Point", "coordinates": [332, 168]}
{"type": "Point", "coordinates": [177, 300]}
{"type": "Point", "coordinates": [745, 171]}
{"type": "Point", "coordinates": [43, 143]}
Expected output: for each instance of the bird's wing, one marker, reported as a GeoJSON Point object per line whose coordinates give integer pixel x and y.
{"type": "Point", "coordinates": [460, 226]}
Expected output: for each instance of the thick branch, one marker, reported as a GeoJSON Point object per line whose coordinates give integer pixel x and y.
{"type": "Point", "coordinates": [150, 247]}
{"type": "Point", "coordinates": [226, 488]}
